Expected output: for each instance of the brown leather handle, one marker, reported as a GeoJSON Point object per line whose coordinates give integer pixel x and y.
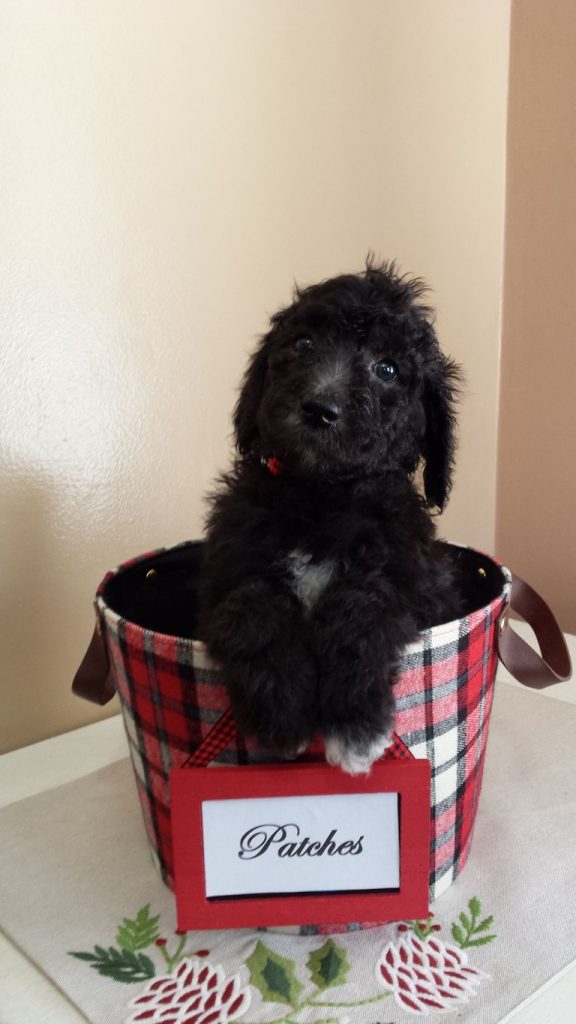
{"type": "Point", "coordinates": [553, 664]}
{"type": "Point", "coordinates": [93, 680]}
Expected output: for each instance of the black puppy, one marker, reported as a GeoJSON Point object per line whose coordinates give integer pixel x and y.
{"type": "Point", "coordinates": [320, 560]}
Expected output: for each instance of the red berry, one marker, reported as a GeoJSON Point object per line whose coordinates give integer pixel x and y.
{"type": "Point", "coordinates": [161, 942]}
{"type": "Point", "coordinates": [436, 927]}
{"type": "Point", "coordinates": [402, 927]}
{"type": "Point", "coordinates": [202, 952]}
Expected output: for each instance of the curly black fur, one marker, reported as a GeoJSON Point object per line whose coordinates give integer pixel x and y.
{"type": "Point", "coordinates": [316, 578]}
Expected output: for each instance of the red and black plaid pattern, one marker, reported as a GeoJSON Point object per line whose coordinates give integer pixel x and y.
{"type": "Point", "coordinates": [397, 749]}
{"type": "Point", "coordinates": [220, 736]}
{"type": "Point", "coordinates": [443, 703]}
{"type": "Point", "coordinates": [172, 697]}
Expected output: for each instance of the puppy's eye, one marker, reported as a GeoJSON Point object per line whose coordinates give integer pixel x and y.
{"type": "Point", "coordinates": [303, 345]}
{"type": "Point", "coordinates": [386, 370]}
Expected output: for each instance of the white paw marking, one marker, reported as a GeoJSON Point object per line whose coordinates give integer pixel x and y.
{"type": "Point", "coordinates": [355, 758]}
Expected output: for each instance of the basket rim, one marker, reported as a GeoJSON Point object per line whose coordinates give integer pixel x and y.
{"type": "Point", "coordinates": [199, 646]}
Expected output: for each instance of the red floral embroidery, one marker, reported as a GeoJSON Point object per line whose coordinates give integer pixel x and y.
{"type": "Point", "coordinates": [197, 993]}
{"type": "Point", "coordinates": [427, 976]}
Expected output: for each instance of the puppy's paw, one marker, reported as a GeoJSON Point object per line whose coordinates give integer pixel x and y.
{"type": "Point", "coordinates": [353, 756]}
{"type": "Point", "coordinates": [293, 752]}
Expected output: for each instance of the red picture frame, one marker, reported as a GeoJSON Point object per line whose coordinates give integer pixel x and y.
{"type": "Point", "coordinates": [191, 786]}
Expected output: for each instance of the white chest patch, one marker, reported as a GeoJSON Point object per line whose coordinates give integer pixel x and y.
{"type": "Point", "coordinates": [309, 580]}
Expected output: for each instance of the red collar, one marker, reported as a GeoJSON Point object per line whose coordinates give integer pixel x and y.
{"type": "Point", "coordinates": [274, 466]}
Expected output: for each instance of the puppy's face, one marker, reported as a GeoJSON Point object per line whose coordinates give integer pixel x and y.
{"type": "Point", "coordinates": [342, 384]}
{"type": "Point", "coordinates": [339, 396]}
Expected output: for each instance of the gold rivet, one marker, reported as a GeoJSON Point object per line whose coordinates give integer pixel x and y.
{"type": "Point", "coordinates": [150, 574]}
{"type": "Point", "coordinates": [503, 623]}
{"type": "Point", "coordinates": [482, 573]}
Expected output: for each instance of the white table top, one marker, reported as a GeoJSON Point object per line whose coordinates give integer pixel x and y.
{"type": "Point", "coordinates": [27, 996]}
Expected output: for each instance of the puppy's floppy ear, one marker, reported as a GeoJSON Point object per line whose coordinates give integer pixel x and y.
{"type": "Point", "coordinates": [441, 391]}
{"type": "Point", "coordinates": [246, 409]}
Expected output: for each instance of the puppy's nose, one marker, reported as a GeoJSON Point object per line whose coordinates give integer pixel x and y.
{"type": "Point", "coordinates": [321, 412]}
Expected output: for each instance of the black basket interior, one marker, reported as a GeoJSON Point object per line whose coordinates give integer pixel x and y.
{"type": "Point", "coordinates": [160, 592]}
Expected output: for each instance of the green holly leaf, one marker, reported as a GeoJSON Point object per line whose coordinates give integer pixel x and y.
{"type": "Point", "coordinates": [328, 965]}
{"type": "Point", "coordinates": [466, 923]}
{"type": "Point", "coordinates": [274, 976]}
{"type": "Point", "coordinates": [474, 906]}
{"type": "Point", "coordinates": [119, 965]}
{"type": "Point", "coordinates": [457, 935]}
{"type": "Point", "coordinates": [138, 933]}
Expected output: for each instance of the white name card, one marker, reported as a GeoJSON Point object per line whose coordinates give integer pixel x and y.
{"type": "Point", "coordinates": [335, 843]}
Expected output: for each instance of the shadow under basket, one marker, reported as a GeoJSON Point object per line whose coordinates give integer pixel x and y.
{"type": "Point", "coordinates": [172, 694]}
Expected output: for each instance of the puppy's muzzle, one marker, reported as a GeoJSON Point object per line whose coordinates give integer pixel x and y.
{"type": "Point", "coordinates": [321, 412]}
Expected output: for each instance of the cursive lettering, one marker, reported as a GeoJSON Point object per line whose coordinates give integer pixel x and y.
{"type": "Point", "coordinates": [286, 841]}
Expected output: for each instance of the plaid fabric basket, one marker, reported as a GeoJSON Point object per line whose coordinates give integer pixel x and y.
{"type": "Point", "coordinates": [175, 704]}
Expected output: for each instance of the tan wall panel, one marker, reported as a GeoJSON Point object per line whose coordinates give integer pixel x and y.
{"type": "Point", "coordinates": [536, 521]}
{"type": "Point", "coordinates": [169, 170]}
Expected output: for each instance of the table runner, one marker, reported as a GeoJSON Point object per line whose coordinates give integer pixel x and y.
{"type": "Point", "coordinates": [80, 897]}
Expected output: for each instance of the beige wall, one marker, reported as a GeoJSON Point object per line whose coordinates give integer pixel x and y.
{"type": "Point", "coordinates": [537, 454]}
{"type": "Point", "coordinates": [169, 169]}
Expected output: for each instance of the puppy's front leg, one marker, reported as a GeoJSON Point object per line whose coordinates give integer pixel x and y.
{"type": "Point", "coordinates": [257, 634]}
{"type": "Point", "coordinates": [359, 633]}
